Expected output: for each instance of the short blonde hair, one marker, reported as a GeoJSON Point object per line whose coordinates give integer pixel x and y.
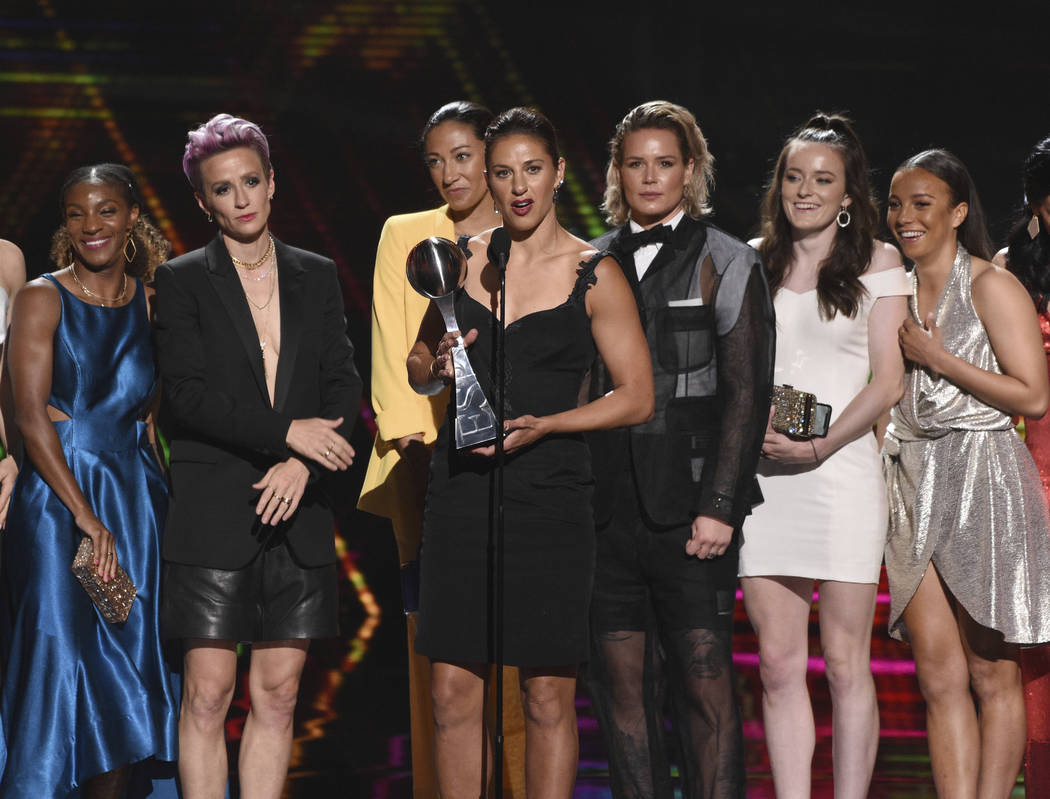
{"type": "Point", "coordinates": [661, 115]}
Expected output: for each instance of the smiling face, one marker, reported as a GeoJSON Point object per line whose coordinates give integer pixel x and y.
{"type": "Point", "coordinates": [236, 190]}
{"type": "Point", "coordinates": [813, 187]}
{"type": "Point", "coordinates": [522, 178]}
{"type": "Point", "coordinates": [98, 219]}
{"type": "Point", "coordinates": [923, 216]}
{"type": "Point", "coordinates": [653, 175]}
{"type": "Point", "coordinates": [455, 158]}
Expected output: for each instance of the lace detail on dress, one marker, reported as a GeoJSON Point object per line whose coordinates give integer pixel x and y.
{"type": "Point", "coordinates": [586, 276]}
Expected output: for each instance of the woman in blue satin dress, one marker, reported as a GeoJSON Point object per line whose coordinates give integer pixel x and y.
{"type": "Point", "coordinates": [87, 707]}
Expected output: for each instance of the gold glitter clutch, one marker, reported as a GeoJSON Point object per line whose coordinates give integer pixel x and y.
{"type": "Point", "coordinates": [113, 599]}
{"type": "Point", "coordinates": [799, 414]}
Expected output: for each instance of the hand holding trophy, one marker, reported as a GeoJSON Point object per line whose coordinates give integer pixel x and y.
{"type": "Point", "coordinates": [436, 268]}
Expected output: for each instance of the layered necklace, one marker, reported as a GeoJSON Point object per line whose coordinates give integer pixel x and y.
{"type": "Point", "coordinates": [259, 315]}
{"type": "Point", "coordinates": [103, 301]}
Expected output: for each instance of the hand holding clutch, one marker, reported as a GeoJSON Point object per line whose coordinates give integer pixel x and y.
{"type": "Point", "coordinates": [113, 599]}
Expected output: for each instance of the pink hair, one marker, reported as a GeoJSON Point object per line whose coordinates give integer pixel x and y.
{"type": "Point", "coordinates": [220, 133]}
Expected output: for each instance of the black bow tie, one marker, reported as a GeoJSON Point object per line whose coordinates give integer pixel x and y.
{"type": "Point", "coordinates": [658, 234]}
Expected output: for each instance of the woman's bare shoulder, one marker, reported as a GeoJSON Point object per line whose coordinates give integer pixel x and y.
{"type": "Point", "coordinates": [883, 257]}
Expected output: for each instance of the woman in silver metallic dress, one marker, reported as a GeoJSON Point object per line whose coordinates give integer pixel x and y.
{"type": "Point", "coordinates": [968, 554]}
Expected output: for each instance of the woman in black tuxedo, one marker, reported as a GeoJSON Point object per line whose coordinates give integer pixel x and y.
{"type": "Point", "coordinates": [260, 395]}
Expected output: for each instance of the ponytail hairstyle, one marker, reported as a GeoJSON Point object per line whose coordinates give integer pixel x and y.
{"type": "Point", "coordinates": [839, 289]}
{"type": "Point", "coordinates": [973, 232]}
{"type": "Point", "coordinates": [475, 116]}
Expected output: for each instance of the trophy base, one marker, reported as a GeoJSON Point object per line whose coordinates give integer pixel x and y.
{"type": "Point", "coordinates": [474, 436]}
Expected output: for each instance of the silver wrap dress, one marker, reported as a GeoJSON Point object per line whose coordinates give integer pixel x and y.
{"type": "Point", "coordinates": [963, 490]}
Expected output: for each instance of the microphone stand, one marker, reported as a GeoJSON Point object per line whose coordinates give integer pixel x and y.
{"type": "Point", "coordinates": [501, 384]}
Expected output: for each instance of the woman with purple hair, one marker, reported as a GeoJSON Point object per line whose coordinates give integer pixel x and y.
{"type": "Point", "coordinates": [260, 396]}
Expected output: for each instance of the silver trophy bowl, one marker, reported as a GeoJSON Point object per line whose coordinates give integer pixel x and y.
{"type": "Point", "coordinates": [436, 267]}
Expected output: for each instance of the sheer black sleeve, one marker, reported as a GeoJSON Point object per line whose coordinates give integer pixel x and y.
{"type": "Point", "coordinates": [745, 356]}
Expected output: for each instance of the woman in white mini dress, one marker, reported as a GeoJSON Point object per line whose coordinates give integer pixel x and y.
{"type": "Point", "coordinates": [839, 296]}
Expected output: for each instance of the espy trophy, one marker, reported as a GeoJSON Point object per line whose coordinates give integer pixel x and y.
{"type": "Point", "coordinates": [436, 268]}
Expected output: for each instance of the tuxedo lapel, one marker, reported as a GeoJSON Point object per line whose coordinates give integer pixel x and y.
{"type": "Point", "coordinates": [293, 310]}
{"type": "Point", "coordinates": [626, 261]}
{"type": "Point", "coordinates": [672, 250]}
{"type": "Point", "coordinates": [224, 279]}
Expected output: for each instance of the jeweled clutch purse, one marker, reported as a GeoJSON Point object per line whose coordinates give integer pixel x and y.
{"type": "Point", "coordinates": [799, 414]}
{"type": "Point", "coordinates": [113, 599]}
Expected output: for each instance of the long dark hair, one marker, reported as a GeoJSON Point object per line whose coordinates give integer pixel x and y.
{"type": "Point", "coordinates": [973, 232]}
{"type": "Point", "coordinates": [839, 289]}
{"type": "Point", "coordinates": [1029, 258]}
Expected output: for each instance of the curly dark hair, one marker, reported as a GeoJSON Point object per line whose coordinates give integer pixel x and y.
{"type": "Point", "coordinates": [151, 248]}
{"type": "Point", "coordinates": [839, 289]}
{"type": "Point", "coordinates": [1029, 258]}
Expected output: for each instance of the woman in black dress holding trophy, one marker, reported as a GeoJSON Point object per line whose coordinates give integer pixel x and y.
{"type": "Point", "coordinates": [565, 301]}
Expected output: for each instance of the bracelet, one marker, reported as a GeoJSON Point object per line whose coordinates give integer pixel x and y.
{"type": "Point", "coordinates": [815, 458]}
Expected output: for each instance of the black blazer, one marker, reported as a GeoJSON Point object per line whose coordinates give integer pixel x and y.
{"type": "Point", "coordinates": [216, 412]}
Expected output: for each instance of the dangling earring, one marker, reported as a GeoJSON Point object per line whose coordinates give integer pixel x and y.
{"type": "Point", "coordinates": [208, 214]}
{"type": "Point", "coordinates": [495, 209]}
{"type": "Point", "coordinates": [134, 249]}
{"type": "Point", "coordinates": [843, 213]}
{"type": "Point", "coordinates": [557, 189]}
{"type": "Point", "coordinates": [1033, 226]}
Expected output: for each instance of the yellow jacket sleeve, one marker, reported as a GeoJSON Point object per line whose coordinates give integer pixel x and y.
{"type": "Point", "coordinates": [397, 311]}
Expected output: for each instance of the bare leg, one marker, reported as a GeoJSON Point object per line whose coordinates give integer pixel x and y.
{"type": "Point", "coordinates": [462, 750]}
{"type": "Point", "coordinates": [996, 679]}
{"type": "Point", "coordinates": [207, 690]}
{"type": "Point", "coordinates": [779, 611]}
{"type": "Point", "coordinates": [108, 785]}
{"type": "Point", "coordinates": [266, 746]}
{"type": "Point", "coordinates": [944, 680]}
{"type": "Point", "coordinates": [846, 614]}
{"type": "Point", "coordinates": [552, 744]}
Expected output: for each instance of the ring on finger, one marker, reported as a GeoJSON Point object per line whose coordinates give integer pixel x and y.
{"type": "Point", "coordinates": [711, 555]}
{"type": "Point", "coordinates": [327, 452]}
{"type": "Point", "coordinates": [278, 497]}
{"type": "Point", "coordinates": [286, 501]}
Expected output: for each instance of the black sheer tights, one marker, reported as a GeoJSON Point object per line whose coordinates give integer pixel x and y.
{"type": "Point", "coordinates": [627, 685]}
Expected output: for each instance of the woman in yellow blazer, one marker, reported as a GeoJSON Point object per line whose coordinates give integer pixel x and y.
{"type": "Point", "coordinates": [454, 153]}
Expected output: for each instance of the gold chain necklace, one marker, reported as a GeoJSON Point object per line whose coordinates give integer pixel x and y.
{"type": "Point", "coordinates": [102, 300]}
{"type": "Point", "coordinates": [255, 264]}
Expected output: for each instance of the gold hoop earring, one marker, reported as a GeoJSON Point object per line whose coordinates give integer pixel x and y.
{"type": "Point", "coordinates": [134, 249]}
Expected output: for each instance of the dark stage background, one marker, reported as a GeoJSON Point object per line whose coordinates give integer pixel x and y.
{"type": "Point", "coordinates": [342, 88]}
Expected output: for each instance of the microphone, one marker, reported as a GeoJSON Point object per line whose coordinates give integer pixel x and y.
{"type": "Point", "coordinates": [499, 248]}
